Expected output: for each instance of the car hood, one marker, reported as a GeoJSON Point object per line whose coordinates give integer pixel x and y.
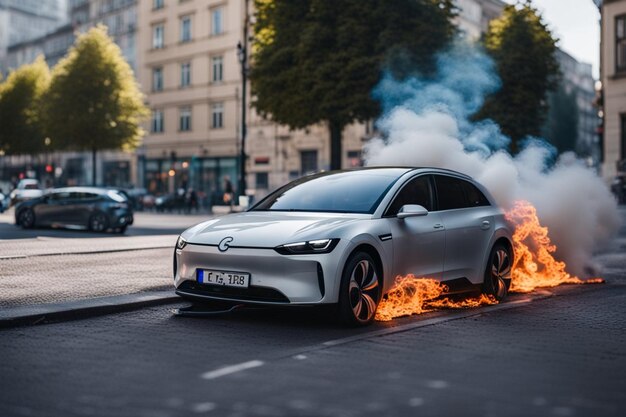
{"type": "Point", "coordinates": [270, 229]}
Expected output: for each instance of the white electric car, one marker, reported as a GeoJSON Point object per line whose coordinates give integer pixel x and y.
{"type": "Point", "coordinates": [343, 237]}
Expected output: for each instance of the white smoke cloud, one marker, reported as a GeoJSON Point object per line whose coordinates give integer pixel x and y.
{"type": "Point", "coordinates": [427, 124]}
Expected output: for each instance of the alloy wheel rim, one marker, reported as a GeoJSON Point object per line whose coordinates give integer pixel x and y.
{"type": "Point", "coordinates": [97, 223]}
{"type": "Point", "coordinates": [27, 217]}
{"type": "Point", "coordinates": [500, 271]}
{"type": "Point", "coordinates": [363, 290]}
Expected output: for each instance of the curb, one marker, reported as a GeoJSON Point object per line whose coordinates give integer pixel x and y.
{"type": "Point", "coordinates": [80, 309]}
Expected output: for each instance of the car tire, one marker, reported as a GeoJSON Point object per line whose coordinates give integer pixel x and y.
{"type": "Point", "coordinates": [26, 218]}
{"type": "Point", "coordinates": [98, 222]}
{"type": "Point", "coordinates": [498, 272]}
{"type": "Point", "coordinates": [122, 230]}
{"type": "Point", "coordinates": [360, 290]}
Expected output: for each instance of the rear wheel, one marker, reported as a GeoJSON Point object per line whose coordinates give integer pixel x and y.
{"type": "Point", "coordinates": [98, 222]}
{"type": "Point", "coordinates": [26, 218]}
{"type": "Point", "coordinates": [498, 272]}
{"type": "Point", "coordinates": [360, 290]}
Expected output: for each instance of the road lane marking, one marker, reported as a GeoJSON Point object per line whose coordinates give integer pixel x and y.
{"type": "Point", "coordinates": [231, 369]}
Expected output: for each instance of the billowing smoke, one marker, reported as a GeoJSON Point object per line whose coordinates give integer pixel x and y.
{"type": "Point", "coordinates": [427, 122]}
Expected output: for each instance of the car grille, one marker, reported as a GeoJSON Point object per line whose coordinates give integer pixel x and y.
{"type": "Point", "coordinates": [247, 294]}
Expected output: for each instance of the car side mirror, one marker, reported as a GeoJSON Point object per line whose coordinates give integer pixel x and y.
{"type": "Point", "coordinates": [412, 210]}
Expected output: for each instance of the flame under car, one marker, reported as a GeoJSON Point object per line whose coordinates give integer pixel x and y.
{"type": "Point", "coordinates": [342, 237]}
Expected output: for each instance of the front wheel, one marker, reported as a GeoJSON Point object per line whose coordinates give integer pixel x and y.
{"type": "Point", "coordinates": [498, 272]}
{"type": "Point", "coordinates": [98, 222]}
{"type": "Point", "coordinates": [360, 290]}
{"type": "Point", "coordinates": [26, 218]}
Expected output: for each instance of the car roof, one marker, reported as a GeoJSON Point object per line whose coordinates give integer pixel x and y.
{"type": "Point", "coordinates": [401, 170]}
{"type": "Point", "coordinates": [94, 190]}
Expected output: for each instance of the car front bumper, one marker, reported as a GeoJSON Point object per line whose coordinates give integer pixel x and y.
{"type": "Point", "coordinates": [274, 278]}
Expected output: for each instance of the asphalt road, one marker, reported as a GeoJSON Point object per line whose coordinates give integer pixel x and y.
{"type": "Point", "coordinates": [557, 356]}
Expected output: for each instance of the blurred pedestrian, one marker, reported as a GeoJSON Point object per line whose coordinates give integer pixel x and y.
{"type": "Point", "coordinates": [228, 191]}
{"type": "Point", "coordinates": [191, 201]}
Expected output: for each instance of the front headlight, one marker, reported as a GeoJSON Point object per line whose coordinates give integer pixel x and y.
{"type": "Point", "coordinates": [307, 248]}
{"type": "Point", "coordinates": [181, 243]}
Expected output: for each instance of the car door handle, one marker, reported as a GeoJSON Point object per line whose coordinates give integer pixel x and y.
{"type": "Point", "coordinates": [438, 226]}
{"type": "Point", "coordinates": [485, 225]}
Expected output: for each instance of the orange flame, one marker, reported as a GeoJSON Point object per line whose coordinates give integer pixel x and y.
{"type": "Point", "coordinates": [411, 295]}
{"type": "Point", "coordinates": [534, 267]}
{"type": "Point", "coordinates": [534, 264]}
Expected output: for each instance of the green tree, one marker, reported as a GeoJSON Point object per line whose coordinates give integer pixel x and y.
{"type": "Point", "coordinates": [317, 61]}
{"type": "Point", "coordinates": [561, 128]}
{"type": "Point", "coordinates": [20, 101]}
{"type": "Point", "coordinates": [94, 102]}
{"type": "Point", "coordinates": [523, 49]}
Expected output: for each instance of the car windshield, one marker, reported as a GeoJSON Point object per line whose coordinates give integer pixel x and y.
{"type": "Point", "coordinates": [343, 192]}
{"type": "Point", "coordinates": [31, 187]}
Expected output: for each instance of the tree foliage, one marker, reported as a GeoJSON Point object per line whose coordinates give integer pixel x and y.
{"type": "Point", "coordinates": [21, 130]}
{"type": "Point", "coordinates": [317, 61]}
{"type": "Point", "coordinates": [94, 102]}
{"type": "Point", "coordinates": [524, 51]}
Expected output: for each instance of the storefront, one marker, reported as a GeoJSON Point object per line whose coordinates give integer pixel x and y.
{"type": "Point", "coordinates": [206, 176]}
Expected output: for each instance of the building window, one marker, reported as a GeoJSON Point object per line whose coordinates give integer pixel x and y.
{"type": "Point", "coordinates": [157, 37]}
{"type": "Point", "coordinates": [157, 79]}
{"type": "Point", "coordinates": [308, 162]}
{"type": "Point", "coordinates": [185, 29]}
{"type": "Point", "coordinates": [620, 43]}
{"type": "Point", "coordinates": [217, 21]}
{"type": "Point", "coordinates": [262, 180]}
{"type": "Point", "coordinates": [157, 121]}
{"type": "Point", "coordinates": [157, 4]}
{"type": "Point", "coordinates": [217, 64]}
{"type": "Point", "coordinates": [217, 116]}
{"type": "Point", "coordinates": [185, 119]}
{"type": "Point", "coordinates": [185, 74]}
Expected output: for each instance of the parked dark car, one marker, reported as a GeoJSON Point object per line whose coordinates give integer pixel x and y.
{"type": "Point", "coordinates": [95, 209]}
{"type": "Point", "coordinates": [4, 202]}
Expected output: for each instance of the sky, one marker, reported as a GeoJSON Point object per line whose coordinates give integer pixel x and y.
{"type": "Point", "coordinates": [576, 24]}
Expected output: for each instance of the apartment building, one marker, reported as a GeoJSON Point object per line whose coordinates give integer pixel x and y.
{"type": "Point", "coordinates": [613, 77]}
{"type": "Point", "coordinates": [24, 20]}
{"type": "Point", "coordinates": [191, 76]}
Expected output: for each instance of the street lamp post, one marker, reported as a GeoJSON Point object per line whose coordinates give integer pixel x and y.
{"type": "Point", "coordinates": [242, 54]}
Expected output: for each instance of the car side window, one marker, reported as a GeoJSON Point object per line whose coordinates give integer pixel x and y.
{"type": "Point", "coordinates": [450, 193]}
{"type": "Point", "coordinates": [455, 193]}
{"type": "Point", "coordinates": [88, 196]}
{"type": "Point", "coordinates": [475, 198]}
{"type": "Point", "coordinates": [58, 197]}
{"type": "Point", "coordinates": [416, 191]}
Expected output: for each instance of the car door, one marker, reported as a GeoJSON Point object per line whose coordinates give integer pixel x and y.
{"type": "Point", "coordinates": [418, 242]}
{"type": "Point", "coordinates": [83, 207]}
{"type": "Point", "coordinates": [468, 220]}
{"type": "Point", "coordinates": [52, 210]}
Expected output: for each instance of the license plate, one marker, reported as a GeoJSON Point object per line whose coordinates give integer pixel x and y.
{"type": "Point", "coordinates": [226, 278]}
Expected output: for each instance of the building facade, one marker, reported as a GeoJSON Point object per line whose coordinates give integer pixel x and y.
{"type": "Point", "coordinates": [613, 77]}
{"type": "Point", "coordinates": [24, 20]}
{"type": "Point", "coordinates": [578, 85]}
{"type": "Point", "coordinates": [474, 16]}
{"type": "Point", "coordinates": [192, 78]}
